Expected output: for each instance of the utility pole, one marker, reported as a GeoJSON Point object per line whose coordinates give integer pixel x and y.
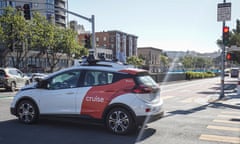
{"type": "Point", "coordinates": [91, 20]}
{"type": "Point", "coordinates": [223, 64]}
{"type": "Point", "coordinates": [224, 14]}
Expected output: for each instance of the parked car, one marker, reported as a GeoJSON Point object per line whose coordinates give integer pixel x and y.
{"type": "Point", "coordinates": [234, 72]}
{"type": "Point", "coordinates": [227, 72]}
{"type": "Point", "coordinates": [12, 79]}
{"type": "Point", "coordinates": [122, 98]}
{"type": "Point", "coordinates": [34, 76]}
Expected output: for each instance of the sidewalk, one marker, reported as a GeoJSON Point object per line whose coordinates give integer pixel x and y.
{"type": "Point", "coordinates": [231, 97]}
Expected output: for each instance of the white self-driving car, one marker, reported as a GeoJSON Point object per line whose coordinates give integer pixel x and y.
{"type": "Point", "coordinates": [122, 98]}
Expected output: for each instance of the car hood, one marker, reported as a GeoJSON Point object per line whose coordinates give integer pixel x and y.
{"type": "Point", "coordinates": [29, 86]}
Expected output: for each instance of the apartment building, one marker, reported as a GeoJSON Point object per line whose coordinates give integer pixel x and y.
{"type": "Point", "coordinates": [120, 43]}
{"type": "Point", "coordinates": [48, 8]}
{"type": "Point", "coordinates": [151, 58]}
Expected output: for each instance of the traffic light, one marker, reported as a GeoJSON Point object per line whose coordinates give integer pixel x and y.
{"type": "Point", "coordinates": [87, 41]}
{"type": "Point", "coordinates": [238, 26]}
{"type": "Point", "coordinates": [225, 35]}
{"type": "Point", "coordinates": [26, 11]}
{"type": "Point", "coordinates": [231, 57]}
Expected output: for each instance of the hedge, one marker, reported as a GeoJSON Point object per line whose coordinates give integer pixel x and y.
{"type": "Point", "coordinates": [199, 75]}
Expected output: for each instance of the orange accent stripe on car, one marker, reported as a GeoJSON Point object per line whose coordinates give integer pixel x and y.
{"type": "Point", "coordinates": [99, 97]}
{"type": "Point", "coordinates": [132, 71]}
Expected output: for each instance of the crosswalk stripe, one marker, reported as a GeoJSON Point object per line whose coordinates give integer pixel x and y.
{"type": "Point", "coordinates": [167, 97]}
{"type": "Point", "coordinates": [218, 138]}
{"type": "Point", "coordinates": [227, 121]}
{"type": "Point", "coordinates": [229, 116]}
{"type": "Point", "coordinates": [223, 128]}
{"type": "Point", "coordinates": [231, 112]}
{"type": "Point", "coordinates": [188, 100]}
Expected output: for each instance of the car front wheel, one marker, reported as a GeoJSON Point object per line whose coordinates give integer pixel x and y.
{"type": "Point", "coordinates": [27, 112]}
{"type": "Point", "coordinates": [12, 86]}
{"type": "Point", "coordinates": [119, 121]}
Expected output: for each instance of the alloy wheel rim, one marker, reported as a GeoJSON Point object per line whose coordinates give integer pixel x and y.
{"type": "Point", "coordinates": [118, 121]}
{"type": "Point", "coordinates": [26, 112]}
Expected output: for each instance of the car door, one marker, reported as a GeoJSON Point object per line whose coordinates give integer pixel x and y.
{"type": "Point", "coordinates": [60, 93]}
{"type": "Point", "coordinates": [17, 77]}
{"type": "Point", "coordinates": [97, 92]}
{"type": "Point", "coordinates": [21, 81]}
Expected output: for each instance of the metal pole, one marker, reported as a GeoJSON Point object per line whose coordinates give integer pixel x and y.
{"type": "Point", "coordinates": [91, 20]}
{"type": "Point", "coordinates": [223, 63]}
{"type": "Point", "coordinates": [93, 36]}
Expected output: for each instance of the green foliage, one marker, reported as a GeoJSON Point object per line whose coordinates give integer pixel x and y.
{"type": "Point", "coordinates": [164, 60]}
{"type": "Point", "coordinates": [134, 60]}
{"type": "Point", "coordinates": [37, 34]}
{"type": "Point", "coordinates": [198, 75]}
{"type": "Point", "coordinates": [14, 34]}
{"type": "Point", "coordinates": [234, 38]}
{"type": "Point", "coordinates": [190, 62]}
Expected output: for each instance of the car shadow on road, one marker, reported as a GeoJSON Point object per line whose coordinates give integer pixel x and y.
{"type": "Point", "coordinates": [64, 132]}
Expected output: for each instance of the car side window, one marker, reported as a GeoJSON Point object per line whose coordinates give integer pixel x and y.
{"type": "Point", "coordinates": [89, 79]}
{"type": "Point", "coordinates": [105, 78]}
{"type": "Point", "coordinates": [93, 78]}
{"type": "Point", "coordinates": [65, 80]}
{"type": "Point", "coordinates": [20, 74]}
{"type": "Point", "coordinates": [13, 72]}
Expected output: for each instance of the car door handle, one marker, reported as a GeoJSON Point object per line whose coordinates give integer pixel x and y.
{"type": "Point", "coordinates": [70, 93]}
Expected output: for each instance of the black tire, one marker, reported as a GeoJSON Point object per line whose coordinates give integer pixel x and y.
{"type": "Point", "coordinates": [27, 82]}
{"type": "Point", "coordinates": [27, 112]}
{"type": "Point", "coordinates": [119, 121]}
{"type": "Point", "coordinates": [12, 87]}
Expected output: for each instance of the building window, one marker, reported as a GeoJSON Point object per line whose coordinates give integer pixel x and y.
{"type": "Point", "coordinates": [104, 38]}
{"type": "Point", "coordinates": [97, 39]}
{"type": "Point", "coordinates": [50, 1]}
{"type": "Point", "coordinates": [12, 4]}
{"type": "Point", "coordinates": [35, 5]}
{"type": "Point", "coordinates": [112, 39]}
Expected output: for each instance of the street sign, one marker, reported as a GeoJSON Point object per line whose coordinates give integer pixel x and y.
{"type": "Point", "coordinates": [224, 12]}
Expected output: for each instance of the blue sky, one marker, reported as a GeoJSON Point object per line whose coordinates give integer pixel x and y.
{"type": "Point", "coordinates": [176, 25]}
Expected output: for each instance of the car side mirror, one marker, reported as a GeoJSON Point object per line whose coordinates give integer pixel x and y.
{"type": "Point", "coordinates": [41, 83]}
{"type": "Point", "coordinates": [38, 80]}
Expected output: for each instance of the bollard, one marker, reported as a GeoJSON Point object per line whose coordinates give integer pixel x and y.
{"type": "Point", "coordinates": [238, 86]}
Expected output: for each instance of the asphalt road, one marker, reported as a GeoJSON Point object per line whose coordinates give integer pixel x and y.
{"type": "Point", "coordinates": [192, 116]}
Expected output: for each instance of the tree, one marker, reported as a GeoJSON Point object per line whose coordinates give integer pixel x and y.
{"type": "Point", "coordinates": [134, 60]}
{"type": "Point", "coordinates": [234, 40]}
{"type": "Point", "coordinates": [234, 36]}
{"type": "Point", "coordinates": [20, 36]}
{"type": "Point", "coordinates": [69, 41]}
{"type": "Point", "coordinates": [15, 32]}
{"type": "Point", "coordinates": [54, 42]}
{"type": "Point", "coordinates": [164, 61]}
{"type": "Point", "coordinates": [191, 62]}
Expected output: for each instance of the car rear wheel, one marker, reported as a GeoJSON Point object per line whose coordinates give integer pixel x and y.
{"type": "Point", "coordinates": [27, 112]}
{"type": "Point", "coordinates": [119, 121]}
